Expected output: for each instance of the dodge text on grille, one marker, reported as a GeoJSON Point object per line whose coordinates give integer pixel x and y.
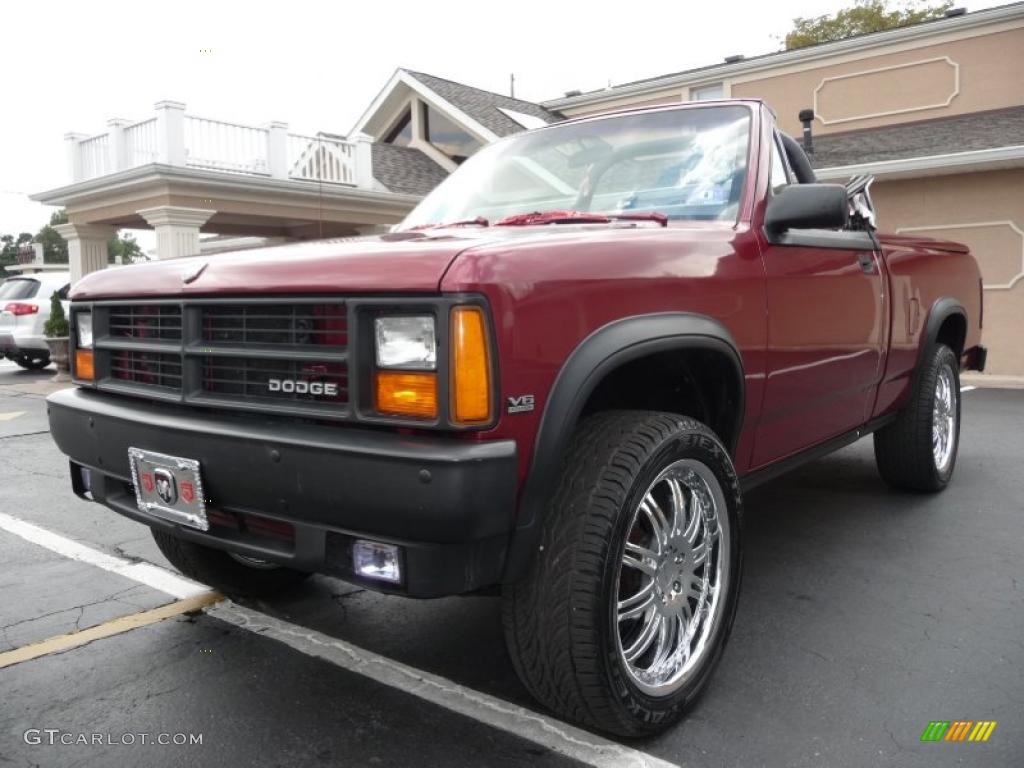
{"type": "Point", "coordinates": [302, 387]}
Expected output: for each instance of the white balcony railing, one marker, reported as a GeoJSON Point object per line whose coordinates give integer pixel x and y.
{"type": "Point", "coordinates": [225, 146]}
{"type": "Point", "coordinates": [321, 158]}
{"type": "Point", "coordinates": [95, 155]}
{"type": "Point", "coordinates": [174, 138]}
{"type": "Point", "coordinates": [140, 143]}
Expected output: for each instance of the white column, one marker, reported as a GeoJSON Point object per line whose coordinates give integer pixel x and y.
{"type": "Point", "coordinates": [364, 160]}
{"type": "Point", "coordinates": [277, 149]}
{"type": "Point", "coordinates": [177, 229]}
{"type": "Point", "coordinates": [74, 155]}
{"type": "Point", "coordinates": [87, 247]}
{"type": "Point", "coordinates": [170, 132]}
{"type": "Point", "coordinates": [419, 130]}
{"type": "Point", "coordinates": [117, 156]}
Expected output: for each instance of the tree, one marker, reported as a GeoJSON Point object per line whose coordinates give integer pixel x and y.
{"type": "Point", "coordinates": [123, 249]}
{"type": "Point", "coordinates": [55, 247]}
{"type": "Point", "coordinates": [56, 326]}
{"type": "Point", "coordinates": [860, 18]}
{"type": "Point", "coordinates": [9, 249]}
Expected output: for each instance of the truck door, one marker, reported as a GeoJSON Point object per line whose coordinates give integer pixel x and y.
{"type": "Point", "coordinates": [826, 331]}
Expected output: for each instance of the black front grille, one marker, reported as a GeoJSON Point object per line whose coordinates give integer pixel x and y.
{"type": "Point", "coordinates": [263, 355]}
{"type": "Point", "coordinates": [146, 322]}
{"type": "Point", "coordinates": [288, 325]}
{"type": "Point", "coordinates": [151, 369]}
{"type": "Point", "coordinates": [296, 381]}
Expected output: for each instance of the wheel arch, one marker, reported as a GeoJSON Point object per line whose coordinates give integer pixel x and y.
{"type": "Point", "coordinates": [598, 357]}
{"type": "Point", "coordinates": [946, 322]}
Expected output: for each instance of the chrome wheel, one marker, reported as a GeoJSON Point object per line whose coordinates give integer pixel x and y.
{"type": "Point", "coordinates": [672, 578]}
{"type": "Point", "coordinates": [944, 419]}
{"type": "Point", "coordinates": [253, 562]}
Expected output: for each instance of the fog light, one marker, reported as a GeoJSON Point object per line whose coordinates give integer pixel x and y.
{"type": "Point", "coordinates": [86, 478]}
{"type": "Point", "coordinates": [376, 561]}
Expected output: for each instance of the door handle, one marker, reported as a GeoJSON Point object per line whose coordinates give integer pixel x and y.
{"type": "Point", "coordinates": [867, 262]}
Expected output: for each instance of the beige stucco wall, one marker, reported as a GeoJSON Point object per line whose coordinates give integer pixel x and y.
{"type": "Point", "coordinates": [973, 75]}
{"type": "Point", "coordinates": [985, 211]}
{"type": "Point", "coordinates": [668, 96]}
{"type": "Point", "coordinates": [953, 74]}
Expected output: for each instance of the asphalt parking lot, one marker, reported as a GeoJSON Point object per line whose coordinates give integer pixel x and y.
{"type": "Point", "coordinates": [865, 614]}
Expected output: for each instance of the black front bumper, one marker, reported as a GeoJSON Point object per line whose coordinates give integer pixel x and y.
{"type": "Point", "coordinates": [449, 503]}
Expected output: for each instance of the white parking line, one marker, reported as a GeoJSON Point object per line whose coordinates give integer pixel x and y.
{"type": "Point", "coordinates": [545, 731]}
{"type": "Point", "coordinates": [151, 575]}
{"type": "Point", "coordinates": [555, 735]}
{"type": "Point", "coordinates": [968, 388]}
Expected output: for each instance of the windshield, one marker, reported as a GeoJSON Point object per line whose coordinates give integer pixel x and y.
{"type": "Point", "coordinates": [683, 163]}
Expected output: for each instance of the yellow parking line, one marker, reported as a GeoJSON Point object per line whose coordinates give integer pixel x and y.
{"type": "Point", "coordinates": [107, 629]}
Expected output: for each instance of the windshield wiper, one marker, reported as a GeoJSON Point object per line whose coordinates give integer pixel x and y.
{"type": "Point", "coordinates": [479, 221]}
{"type": "Point", "coordinates": [552, 217]}
{"type": "Point", "coordinates": [660, 218]}
{"type": "Point", "coordinates": [577, 217]}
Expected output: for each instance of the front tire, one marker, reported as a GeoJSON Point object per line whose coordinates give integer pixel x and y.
{"type": "Point", "coordinates": [230, 574]}
{"type": "Point", "coordinates": [917, 452]}
{"type": "Point", "coordinates": [629, 601]}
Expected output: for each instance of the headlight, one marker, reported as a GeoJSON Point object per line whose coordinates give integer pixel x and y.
{"type": "Point", "coordinates": [83, 324]}
{"type": "Point", "coordinates": [406, 342]}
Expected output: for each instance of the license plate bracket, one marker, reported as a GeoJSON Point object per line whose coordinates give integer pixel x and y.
{"type": "Point", "coordinates": [169, 487]}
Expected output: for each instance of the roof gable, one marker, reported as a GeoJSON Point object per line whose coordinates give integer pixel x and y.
{"type": "Point", "coordinates": [485, 106]}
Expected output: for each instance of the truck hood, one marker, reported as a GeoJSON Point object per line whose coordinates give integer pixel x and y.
{"type": "Point", "coordinates": [402, 262]}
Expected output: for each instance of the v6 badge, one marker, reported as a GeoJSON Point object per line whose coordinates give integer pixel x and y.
{"type": "Point", "coordinates": [521, 404]}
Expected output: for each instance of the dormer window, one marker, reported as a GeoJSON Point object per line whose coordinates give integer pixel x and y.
{"type": "Point", "coordinates": [446, 136]}
{"type": "Point", "coordinates": [401, 134]}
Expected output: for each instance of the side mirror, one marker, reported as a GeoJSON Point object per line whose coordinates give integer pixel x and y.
{"type": "Point", "coordinates": [807, 206]}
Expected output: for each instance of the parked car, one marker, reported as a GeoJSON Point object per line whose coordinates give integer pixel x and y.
{"type": "Point", "coordinates": [24, 310]}
{"type": "Point", "coordinates": [555, 379]}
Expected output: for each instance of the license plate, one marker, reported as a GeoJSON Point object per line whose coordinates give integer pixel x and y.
{"type": "Point", "coordinates": [169, 487]}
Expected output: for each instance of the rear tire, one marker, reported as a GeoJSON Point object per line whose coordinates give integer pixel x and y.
{"type": "Point", "coordinates": [224, 572]}
{"type": "Point", "coordinates": [32, 361]}
{"type": "Point", "coordinates": [917, 452]}
{"type": "Point", "coordinates": [619, 565]}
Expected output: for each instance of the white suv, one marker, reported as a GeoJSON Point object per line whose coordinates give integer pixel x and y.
{"type": "Point", "coordinates": [24, 308]}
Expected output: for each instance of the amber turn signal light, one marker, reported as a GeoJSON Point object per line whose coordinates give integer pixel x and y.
{"type": "Point", "coordinates": [83, 365]}
{"type": "Point", "coordinates": [407, 394]}
{"type": "Point", "coordinates": [471, 367]}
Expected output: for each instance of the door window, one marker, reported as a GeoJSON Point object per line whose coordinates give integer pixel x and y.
{"type": "Point", "coordinates": [780, 175]}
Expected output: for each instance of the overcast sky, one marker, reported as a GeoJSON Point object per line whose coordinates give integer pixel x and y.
{"type": "Point", "coordinates": [71, 66]}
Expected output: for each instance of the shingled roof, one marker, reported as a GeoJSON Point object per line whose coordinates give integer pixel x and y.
{"type": "Point", "coordinates": [941, 136]}
{"type": "Point", "coordinates": [405, 170]}
{"type": "Point", "coordinates": [485, 106]}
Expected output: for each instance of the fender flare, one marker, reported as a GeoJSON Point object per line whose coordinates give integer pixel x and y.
{"type": "Point", "coordinates": [600, 353]}
{"type": "Point", "coordinates": [942, 309]}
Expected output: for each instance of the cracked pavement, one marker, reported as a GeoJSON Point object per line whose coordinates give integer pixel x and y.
{"type": "Point", "coordinates": [864, 615]}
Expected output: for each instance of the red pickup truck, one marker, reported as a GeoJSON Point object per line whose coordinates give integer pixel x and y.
{"type": "Point", "coordinates": [553, 380]}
